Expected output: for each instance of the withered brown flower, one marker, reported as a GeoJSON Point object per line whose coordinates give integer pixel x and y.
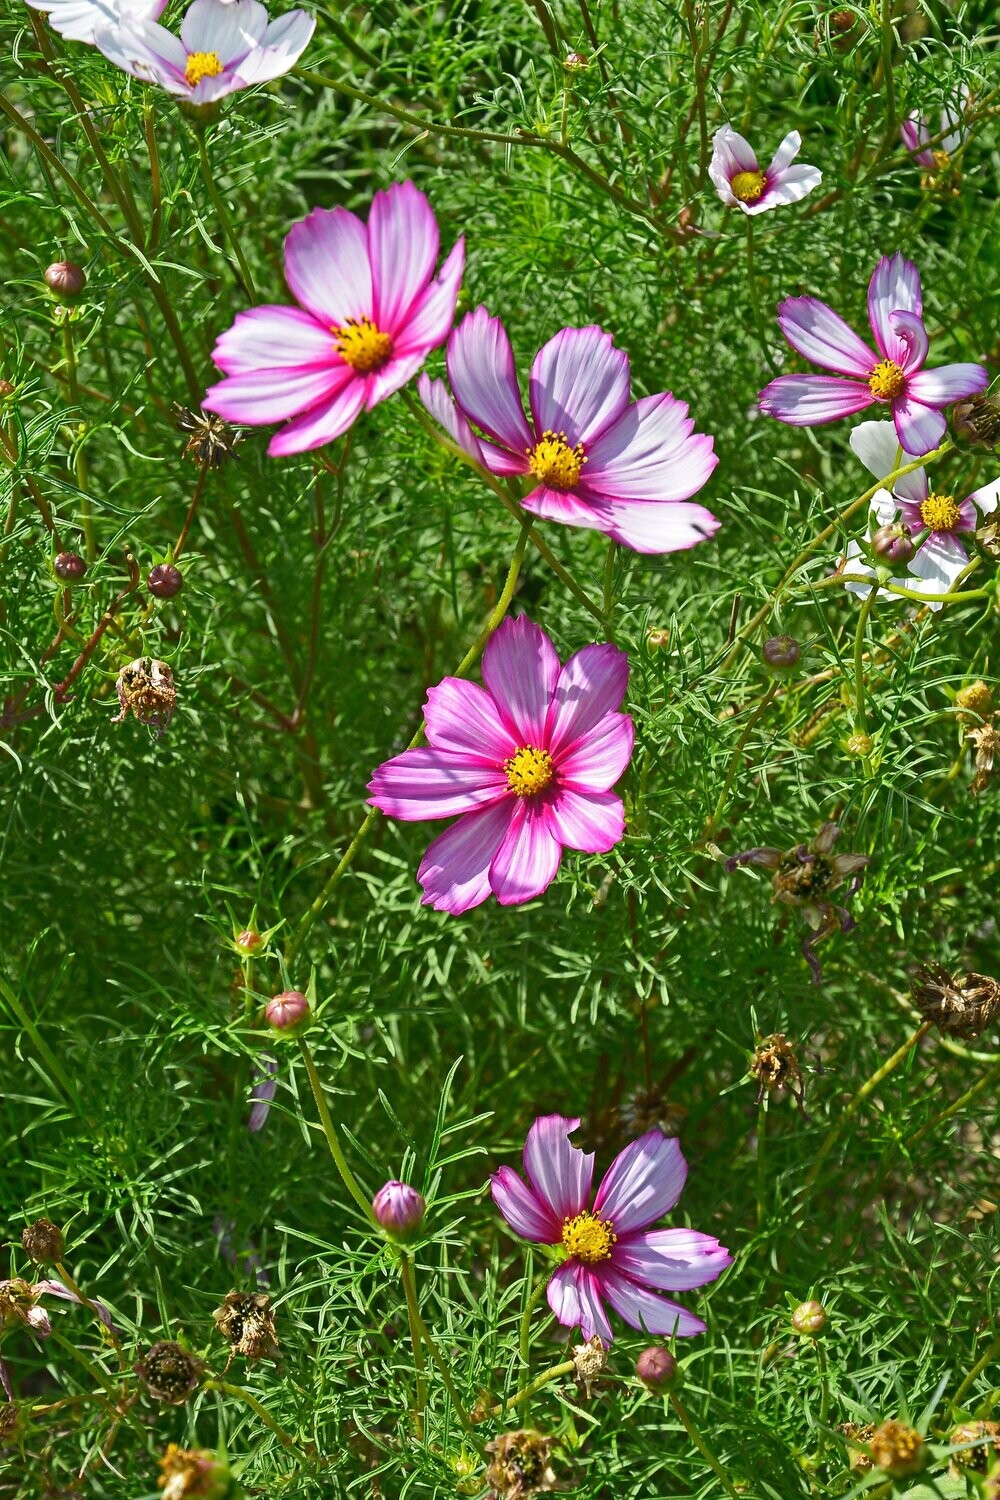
{"type": "Point", "coordinates": [589, 1361]}
{"type": "Point", "coordinates": [192, 1474]}
{"type": "Point", "coordinates": [984, 1452]}
{"type": "Point", "coordinates": [169, 1372]}
{"type": "Point", "coordinates": [986, 738]}
{"type": "Point", "coordinates": [42, 1242]}
{"type": "Point", "coordinates": [519, 1465]}
{"type": "Point", "coordinates": [960, 1005]}
{"type": "Point", "coordinates": [898, 1449]}
{"type": "Point", "coordinates": [775, 1065]}
{"type": "Point", "coordinates": [212, 441]}
{"type": "Point", "coordinates": [146, 689]}
{"type": "Point", "coordinates": [858, 1459]}
{"type": "Point", "coordinates": [246, 1320]}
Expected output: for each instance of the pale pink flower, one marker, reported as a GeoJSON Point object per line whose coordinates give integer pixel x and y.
{"type": "Point", "coordinates": [741, 182]}
{"type": "Point", "coordinates": [916, 134]}
{"type": "Point", "coordinates": [612, 1255]}
{"type": "Point", "coordinates": [80, 20]}
{"type": "Point", "coordinates": [371, 312]}
{"type": "Point", "coordinates": [265, 1086]}
{"type": "Point", "coordinates": [526, 762]}
{"type": "Point", "coordinates": [600, 460]}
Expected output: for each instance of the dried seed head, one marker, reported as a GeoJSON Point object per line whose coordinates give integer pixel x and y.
{"type": "Point", "coordinates": [165, 581]}
{"type": "Point", "coordinates": [960, 1005]}
{"type": "Point", "coordinates": [399, 1209]}
{"type": "Point", "coordinates": [212, 441]}
{"type": "Point", "coordinates": [146, 689]}
{"type": "Point", "coordinates": [65, 280]}
{"type": "Point", "coordinates": [287, 1012]}
{"type": "Point", "coordinates": [781, 654]}
{"type": "Point", "coordinates": [976, 697]}
{"type": "Point", "coordinates": [976, 421]}
{"type": "Point", "coordinates": [775, 1066]}
{"type": "Point", "coordinates": [18, 1300]}
{"type": "Point", "coordinates": [589, 1360]}
{"type": "Point", "coordinates": [193, 1474]}
{"type": "Point", "coordinates": [69, 567]}
{"type": "Point", "coordinates": [985, 1436]}
{"type": "Point", "coordinates": [651, 1109]}
{"type": "Point", "coordinates": [246, 1320]}
{"type": "Point", "coordinates": [169, 1372]}
{"type": "Point", "coordinates": [988, 536]}
{"type": "Point", "coordinates": [809, 1318]}
{"type": "Point", "coordinates": [656, 1367]}
{"type": "Point", "coordinates": [858, 1460]}
{"type": "Point", "coordinates": [893, 544]}
{"type": "Point", "coordinates": [11, 1426]}
{"type": "Point", "coordinates": [986, 738]}
{"type": "Point", "coordinates": [42, 1242]}
{"type": "Point", "coordinates": [898, 1449]}
{"type": "Point", "coordinates": [519, 1465]}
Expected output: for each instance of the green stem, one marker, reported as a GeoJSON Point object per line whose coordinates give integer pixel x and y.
{"type": "Point", "coordinates": [888, 42]}
{"type": "Point", "coordinates": [608, 595]}
{"type": "Point", "coordinates": [239, 1394]}
{"type": "Point", "coordinates": [758, 316]}
{"type": "Point", "coordinates": [329, 1130]}
{"type": "Point", "coordinates": [734, 764]}
{"type": "Point", "coordinates": [977, 1370]}
{"type": "Point", "coordinates": [761, 1162]}
{"type": "Point", "coordinates": [860, 716]}
{"type": "Point", "coordinates": [524, 1396]}
{"type": "Point", "coordinates": [80, 462]}
{"type": "Point", "coordinates": [824, 1398]}
{"type": "Point", "coordinates": [991, 1076]}
{"type": "Point", "coordinates": [223, 216]}
{"type": "Point", "coordinates": [702, 1446]}
{"type": "Point", "coordinates": [524, 1335]}
{"type": "Point", "coordinates": [419, 1364]}
{"type": "Point", "coordinates": [435, 1354]}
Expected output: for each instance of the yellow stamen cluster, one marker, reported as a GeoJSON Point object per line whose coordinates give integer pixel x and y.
{"type": "Point", "coordinates": [886, 381]}
{"type": "Point", "coordinates": [555, 463]}
{"type": "Point", "coordinates": [588, 1238]}
{"type": "Point", "coordinates": [940, 512]}
{"type": "Point", "coordinates": [529, 771]}
{"type": "Point", "coordinates": [748, 186]}
{"type": "Point", "coordinates": [363, 346]}
{"type": "Point", "coordinates": [202, 65]}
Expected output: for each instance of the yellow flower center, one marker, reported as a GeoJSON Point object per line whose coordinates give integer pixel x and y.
{"type": "Point", "coordinates": [886, 381]}
{"type": "Point", "coordinates": [363, 346]}
{"type": "Point", "coordinates": [588, 1238]}
{"type": "Point", "coordinates": [748, 186]}
{"type": "Point", "coordinates": [941, 160]}
{"type": "Point", "coordinates": [555, 463]}
{"type": "Point", "coordinates": [202, 65]}
{"type": "Point", "coordinates": [940, 512]}
{"type": "Point", "coordinates": [529, 771]}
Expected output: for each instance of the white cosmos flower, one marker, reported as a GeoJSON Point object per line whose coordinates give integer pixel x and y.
{"type": "Point", "coordinates": [79, 20]}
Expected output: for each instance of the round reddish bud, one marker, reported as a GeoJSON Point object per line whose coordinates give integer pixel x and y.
{"type": "Point", "coordinates": [43, 1242]}
{"type": "Point", "coordinates": [69, 566]}
{"type": "Point", "coordinates": [781, 653]}
{"type": "Point", "coordinates": [164, 581]}
{"type": "Point", "coordinates": [809, 1318]}
{"type": "Point", "coordinates": [575, 62]}
{"type": "Point", "coordinates": [287, 1010]}
{"type": "Point", "coordinates": [249, 942]}
{"type": "Point", "coordinates": [657, 638]}
{"type": "Point", "coordinates": [893, 544]}
{"type": "Point", "coordinates": [399, 1209]}
{"type": "Point", "coordinates": [6, 389]}
{"type": "Point", "coordinates": [656, 1368]}
{"type": "Point", "coordinates": [65, 280]}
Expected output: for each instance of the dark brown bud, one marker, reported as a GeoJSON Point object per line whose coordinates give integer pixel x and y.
{"type": "Point", "coordinates": [43, 1242]}
{"type": "Point", "coordinates": [976, 421]}
{"type": "Point", "coordinates": [809, 1318]}
{"type": "Point", "coordinates": [656, 1368]}
{"type": "Point", "coordinates": [169, 1372]}
{"type": "Point", "coordinates": [69, 566]}
{"type": "Point", "coordinates": [898, 1449]}
{"type": "Point", "coordinates": [65, 280]}
{"type": "Point", "coordinates": [165, 581]}
{"type": "Point", "coordinates": [893, 544]}
{"type": "Point", "coordinates": [6, 389]}
{"type": "Point", "coordinates": [781, 654]}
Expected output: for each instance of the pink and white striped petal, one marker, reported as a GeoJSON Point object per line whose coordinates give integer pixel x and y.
{"type": "Point", "coordinates": [574, 1295]}
{"type": "Point", "coordinates": [895, 284]}
{"type": "Point", "coordinates": [643, 1183]}
{"type": "Point", "coordinates": [644, 1309]}
{"type": "Point", "coordinates": [593, 822]}
{"type": "Point", "coordinates": [526, 1213]}
{"type": "Point", "coordinates": [525, 865]}
{"type": "Point", "coordinates": [559, 1172]}
{"type": "Point", "coordinates": [579, 384]}
{"type": "Point", "coordinates": [815, 331]}
{"type": "Point", "coordinates": [598, 761]}
{"type": "Point", "coordinates": [651, 528]}
{"type": "Point", "coordinates": [327, 267]}
{"type": "Point", "coordinates": [919, 428]}
{"type": "Point", "coordinates": [671, 1260]}
{"type": "Point", "coordinates": [812, 400]}
{"type": "Point", "coordinates": [650, 453]}
{"type": "Point", "coordinates": [431, 783]}
{"type": "Point", "coordinates": [463, 717]}
{"type": "Point", "coordinates": [433, 310]}
{"type": "Point", "coordinates": [590, 685]}
{"type": "Point", "coordinates": [454, 873]}
{"type": "Point", "coordinates": [322, 423]}
{"type": "Point", "coordinates": [520, 671]}
{"type": "Point", "coordinates": [484, 382]}
{"type": "Point", "coordinates": [403, 244]}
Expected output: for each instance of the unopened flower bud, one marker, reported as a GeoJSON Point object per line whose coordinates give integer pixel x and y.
{"type": "Point", "coordinates": [656, 639]}
{"type": "Point", "coordinates": [576, 62]}
{"type": "Point", "coordinates": [898, 1449]}
{"type": "Point", "coordinates": [976, 698]}
{"type": "Point", "coordinates": [859, 744]}
{"type": "Point", "coordinates": [893, 544]}
{"type": "Point", "coordinates": [43, 1242]}
{"type": "Point", "coordinates": [65, 280]}
{"type": "Point", "coordinates": [781, 654]}
{"type": "Point", "coordinates": [399, 1209]}
{"type": "Point", "coordinates": [287, 1011]}
{"type": "Point", "coordinates": [656, 1368]}
{"type": "Point", "coordinates": [249, 942]}
{"type": "Point", "coordinates": [165, 581]}
{"type": "Point", "coordinates": [6, 389]}
{"type": "Point", "coordinates": [809, 1318]}
{"type": "Point", "coordinates": [976, 421]}
{"type": "Point", "coordinates": [69, 567]}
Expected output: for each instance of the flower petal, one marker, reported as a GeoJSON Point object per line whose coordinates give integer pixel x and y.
{"type": "Point", "coordinates": [525, 865]}
{"type": "Point", "coordinates": [895, 284]}
{"type": "Point", "coordinates": [877, 445]}
{"type": "Point", "coordinates": [275, 338]}
{"type": "Point", "coordinates": [811, 400]}
{"type": "Point", "coordinates": [643, 1309]}
{"type": "Point", "coordinates": [56, 1289]}
{"type": "Point", "coordinates": [574, 1295]}
{"type": "Point", "coordinates": [938, 563]}
{"type": "Point", "coordinates": [524, 1211]}
{"type": "Point", "coordinates": [648, 527]}
{"type": "Point", "coordinates": [817, 332]}
{"type": "Point", "coordinates": [590, 685]}
{"type": "Point", "coordinates": [566, 508]}
{"type": "Point", "coordinates": [559, 1172]}
{"type": "Point", "coordinates": [78, 20]}
{"type": "Point", "coordinates": [910, 330]}
{"type": "Point", "coordinates": [593, 822]}
{"type": "Point", "coordinates": [454, 873]}
{"type": "Point", "coordinates": [403, 244]}
{"type": "Point", "coordinates": [437, 400]}
{"type": "Point", "coordinates": [520, 671]}
{"type": "Point", "coordinates": [731, 154]}
{"type": "Point", "coordinates": [919, 428]}
{"type": "Point", "coordinates": [785, 154]}
{"type": "Point", "coordinates": [484, 382]}
{"type": "Point", "coordinates": [272, 395]}
{"type": "Point", "coordinates": [462, 717]}
{"type": "Point", "coordinates": [284, 43]}
{"type": "Point", "coordinates": [915, 137]}
{"type": "Point", "coordinates": [947, 383]}
{"type": "Point", "coordinates": [789, 186]}
{"type": "Point", "coordinates": [987, 497]}
{"type": "Point", "coordinates": [147, 51]}
{"type": "Point", "coordinates": [327, 267]}
{"type": "Point", "coordinates": [229, 30]}
{"type": "Point", "coordinates": [642, 1183]}
{"type": "Point", "coordinates": [433, 783]}
{"type": "Point", "coordinates": [596, 761]}
{"type": "Point", "coordinates": [579, 384]}
{"type": "Point", "coordinates": [430, 318]}
{"type": "Point", "coordinates": [323, 423]}
{"type": "Point", "coordinates": [265, 1087]}
{"type": "Point", "coordinates": [672, 1260]}
{"type": "Point", "coordinates": [650, 453]}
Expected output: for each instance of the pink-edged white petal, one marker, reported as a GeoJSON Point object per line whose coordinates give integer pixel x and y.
{"type": "Point", "coordinates": [947, 383]}
{"type": "Point", "coordinates": [524, 1211]}
{"type": "Point", "coordinates": [229, 30]}
{"type": "Point", "coordinates": [559, 1172]}
{"type": "Point", "coordinates": [147, 51]}
{"type": "Point", "coordinates": [877, 445]}
{"type": "Point", "coordinates": [593, 822]}
{"type": "Point", "coordinates": [327, 267]}
{"type": "Point", "coordinates": [579, 384]}
{"type": "Point", "coordinates": [642, 1183]}
{"type": "Point", "coordinates": [484, 382]}
{"type": "Point", "coordinates": [785, 154]}
{"type": "Point", "coordinates": [987, 497]}
{"type": "Point", "coordinates": [644, 1309]}
{"type": "Point", "coordinates": [895, 285]}
{"type": "Point", "coordinates": [454, 873]}
{"type": "Point", "coordinates": [319, 426]}
{"type": "Point", "coordinates": [671, 1260]}
{"type": "Point", "coordinates": [274, 338]}
{"type": "Point", "coordinates": [403, 244]}
{"type": "Point", "coordinates": [438, 403]}
{"type": "Point", "coordinates": [789, 186]}
{"type": "Point", "coordinates": [650, 453]}
{"type": "Point", "coordinates": [915, 137]}
{"type": "Point", "coordinates": [600, 758]}
{"type": "Point", "coordinates": [574, 1295]}
{"type": "Point", "coordinates": [566, 507]}
{"type": "Point", "coordinates": [56, 1289]}
{"type": "Point", "coordinates": [525, 865]}
{"type": "Point", "coordinates": [731, 154]}
{"type": "Point", "coordinates": [812, 400]}
{"type": "Point", "coordinates": [79, 20]}
{"type": "Point", "coordinates": [821, 335]}
{"type": "Point", "coordinates": [648, 527]}
{"type": "Point", "coordinates": [938, 563]}
{"type": "Point", "coordinates": [919, 428]}
{"type": "Point", "coordinates": [286, 40]}
{"type": "Point", "coordinates": [520, 671]}
{"type": "Point", "coordinates": [430, 318]}
{"type": "Point", "coordinates": [590, 685]}
{"type": "Point", "coordinates": [909, 329]}
{"type": "Point", "coordinates": [433, 783]}
{"type": "Point", "coordinates": [462, 717]}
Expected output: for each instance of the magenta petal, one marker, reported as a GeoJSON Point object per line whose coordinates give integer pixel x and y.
{"type": "Point", "coordinates": [326, 266]}
{"type": "Point", "coordinates": [565, 507]}
{"type": "Point", "coordinates": [324, 422]}
{"type": "Point", "coordinates": [403, 245]}
{"type": "Point", "coordinates": [672, 1260]}
{"type": "Point", "coordinates": [559, 1172]}
{"type": "Point", "coordinates": [821, 335]}
{"type": "Point", "coordinates": [593, 822]}
{"type": "Point", "coordinates": [56, 1289]}
{"type": "Point", "coordinates": [526, 1214]}
{"type": "Point", "coordinates": [484, 382]}
{"type": "Point", "coordinates": [731, 154]}
{"type": "Point", "coordinates": [520, 670]}
{"type": "Point", "coordinates": [590, 685]}
{"type": "Point", "coordinates": [574, 1295]}
{"type": "Point", "coordinates": [919, 428]}
{"type": "Point", "coordinates": [644, 1309]}
{"type": "Point", "coordinates": [579, 384]}
{"type": "Point", "coordinates": [272, 395]}
{"type": "Point", "coordinates": [431, 316]}
{"type": "Point", "coordinates": [895, 284]}
{"type": "Point", "coordinates": [910, 330]}
{"type": "Point", "coordinates": [391, 378]}
{"type": "Point", "coordinates": [648, 527]}
{"type": "Point", "coordinates": [650, 453]}
{"type": "Point", "coordinates": [437, 401]}
{"type": "Point", "coordinates": [461, 716]}
{"type": "Point", "coordinates": [642, 1183]}
{"type": "Point", "coordinates": [811, 400]}
{"type": "Point", "coordinates": [454, 873]}
{"type": "Point", "coordinates": [915, 137]}
{"type": "Point", "coordinates": [525, 865]}
{"type": "Point", "coordinates": [434, 783]}
{"type": "Point", "coordinates": [598, 760]}
{"type": "Point", "coordinates": [274, 338]}
{"type": "Point", "coordinates": [946, 384]}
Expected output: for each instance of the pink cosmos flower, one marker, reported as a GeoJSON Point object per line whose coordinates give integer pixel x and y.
{"type": "Point", "coordinates": [222, 47]}
{"type": "Point", "coordinates": [265, 1086]}
{"type": "Point", "coordinates": [611, 1253]}
{"type": "Point", "coordinates": [527, 762]}
{"type": "Point", "coordinates": [600, 459]}
{"type": "Point", "coordinates": [79, 20]}
{"type": "Point", "coordinates": [371, 312]}
{"type": "Point", "coordinates": [894, 376]}
{"type": "Point", "coordinates": [915, 133]}
{"type": "Point", "coordinates": [741, 182]}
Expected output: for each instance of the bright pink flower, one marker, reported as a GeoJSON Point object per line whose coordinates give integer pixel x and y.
{"type": "Point", "coordinates": [371, 311]}
{"type": "Point", "coordinates": [612, 1254]}
{"type": "Point", "coordinates": [600, 459]}
{"type": "Point", "coordinates": [893, 377]}
{"type": "Point", "coordinates": [741, 182]}
{"type": "Point", "coordinates": [527, 762]}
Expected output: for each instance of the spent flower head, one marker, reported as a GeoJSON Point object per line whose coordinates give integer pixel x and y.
{"type": "Point", "coordinates": [246, 1321]}
{"type": "Point", "coordinates": [519, 1465]}
{"type": "Point", "coordinates": [961, 1005]}
{"type": "Point", "coordinates": [169, 1372]}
